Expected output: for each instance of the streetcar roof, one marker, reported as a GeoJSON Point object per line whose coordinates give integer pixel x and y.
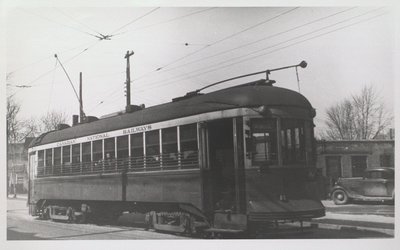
{"type": "Point", "coordinates": [241, 96]}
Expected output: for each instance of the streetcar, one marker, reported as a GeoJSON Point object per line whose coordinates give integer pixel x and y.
{"type": "Point", "coordinates": [238, 159]}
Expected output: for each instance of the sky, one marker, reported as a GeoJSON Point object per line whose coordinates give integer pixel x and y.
{"type": "Point", "coordinates": [180, 49]}
{"type": "Point", "coordinates": [345, 47]}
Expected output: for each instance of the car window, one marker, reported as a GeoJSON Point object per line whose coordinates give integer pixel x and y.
{"type": "Point", "coordinates": [380, 175]}
{"type": "Point", "coordinates": [388, 175]}
{"type": "Point", "coordinates": [375, 175]}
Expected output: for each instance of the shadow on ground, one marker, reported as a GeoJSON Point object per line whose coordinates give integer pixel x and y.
{"type": "Point", "coordinates": [14, 235]}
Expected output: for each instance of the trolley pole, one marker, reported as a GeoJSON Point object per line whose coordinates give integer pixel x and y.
{"type": "Point", "coordinates": [128, 81]}
{"type": "Point", "coordinates": [81, 114]}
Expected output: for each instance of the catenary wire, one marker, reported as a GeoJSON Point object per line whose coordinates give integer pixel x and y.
{"type": "Point", "coordinates": [68, 60]}
{"type": "Point", "coordinates": [48, 57]}
{"type": "Point", "coordinates": [50, 20]}
{"type": "Point", "coordinates": [77, 21]}
{"type": "Point", "coordinates": [227, 37]}
{"type": "Point", "coordinates": [163, 82]}
{"type": "Point", "coordinates": [135, 20]}
{"type": "Point", "coordinates": [170, 20]}
{"type": "Point", "coordinates": [258, 40]}
{"type": "Point", "coordinates": [212, 44]}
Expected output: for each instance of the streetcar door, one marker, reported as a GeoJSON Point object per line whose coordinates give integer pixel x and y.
{"type": "Point", "coordinates": [220, 188]}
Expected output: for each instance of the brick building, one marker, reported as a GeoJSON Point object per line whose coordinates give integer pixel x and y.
{"type": "Point", "coordinates": [17, 166]}
{"type": "Point", "coordinates": [350, 158]}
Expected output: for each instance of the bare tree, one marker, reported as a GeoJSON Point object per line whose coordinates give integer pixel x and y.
{"type": "Point", "coordinates": [34, 126]}
{"type": "Point", "coordinates": [30, 128]}
{"type": "Point", "coordinates": [51, 120]}
{"type": "Point", "coordinates": [359, 117]}
{"type": "Point", "coordinates": [13, 124]}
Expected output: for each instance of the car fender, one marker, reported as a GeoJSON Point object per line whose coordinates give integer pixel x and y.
{"type": "Point", "coordinates": [337, 187]}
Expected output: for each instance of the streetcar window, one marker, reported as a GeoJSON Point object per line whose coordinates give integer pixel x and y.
{"type": "Point", "coordinates": [109, 153]}
{"type": "Point", "coordinates": [122, 147]}
{"type": "Point", "coordinates": [309, 142]}
{"type": "Point", "coordinates": [189, 148]}
{"type": "Point", "coordinates": [86, 152]}
{"type": "Point", "coordinates": [40, 169]}
{"type": "Point", "coordinates": [169, 147]}
{"type": "Point", "coordinates": [152, 143]}
{"type": "Point", "coordinates": [109, 148]}
{"type": "Point", "coordinates": [49, 157]}
{"type": "Point", "coordinates": [66, 154]}
{"type": "Point", "coordinates": [293, 143]}
{"type": "Point", "coordinates": [97, 150]}
{"type": "Point", "coordinates": [97, 155]}
{"type": "Point", "coordinates": [137, 150]}
{"type": "Point", "coordinates": [264, 139]}
{"type": "Point", "coordinates": [152, 149]}
{"type": "Point", "coordinates": [57, 160]}
{"type": "Point", "coordinates": [76, 153]}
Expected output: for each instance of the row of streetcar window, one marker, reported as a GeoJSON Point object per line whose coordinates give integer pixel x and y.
{"type": "Point", "coordinates": [156, 149]}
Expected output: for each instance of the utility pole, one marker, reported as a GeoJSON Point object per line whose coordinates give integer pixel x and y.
{"type": "Point", "coordinates": [128, 81]}
{"type": "Point", "coordinates": [81, 113]}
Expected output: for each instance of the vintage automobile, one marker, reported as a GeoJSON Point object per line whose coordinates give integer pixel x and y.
{"type": "Point", "coordinates": [376, 185]}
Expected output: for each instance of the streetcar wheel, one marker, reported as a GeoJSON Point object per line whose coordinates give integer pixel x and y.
{"type": "Point", "coordinates": [340, 197]}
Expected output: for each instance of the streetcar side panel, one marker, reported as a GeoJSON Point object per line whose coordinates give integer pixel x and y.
{"type": "Point", "coordinates": [178, 187]}
{"type": "Point", "coordinates": [78, 188]}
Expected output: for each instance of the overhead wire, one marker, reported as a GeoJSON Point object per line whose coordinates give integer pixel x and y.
{"type": "Point", "coordinates": [70, 59]}
{"type": "Point", "coordinates": [77, 21]}
{"type": "Point", "coordinates": [50, 20]}
{"type": "Point", "coordinates": [258, 40]}
{"type": "Point", "coordinates": [135, 20]}
{"type": "Point", "coordinates": [214, 68]}
{"type": "Point", "coordinates": [170, 20]}
{"type": "Point", "coordinates": [227, 37]}
{"type": "Point", "coordinates": [65, 62]}
{"type": "Point", "coordinates": [212, 44]}
{"type": "Point", "coordinates": [44, 74]}
{"type": "Point", "coordinates": [47, 57]}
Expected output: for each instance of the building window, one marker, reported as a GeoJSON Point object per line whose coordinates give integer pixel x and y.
{"type": "Point", "coordinates": [386, 161]}
{"type": "Point", "coordinates": [333, 168]}
{"type": "Point", "coordinates": [358, 165]}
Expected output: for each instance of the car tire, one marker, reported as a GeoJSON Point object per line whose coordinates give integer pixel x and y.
{"type": "Point", "coordinates": [340, 197]}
